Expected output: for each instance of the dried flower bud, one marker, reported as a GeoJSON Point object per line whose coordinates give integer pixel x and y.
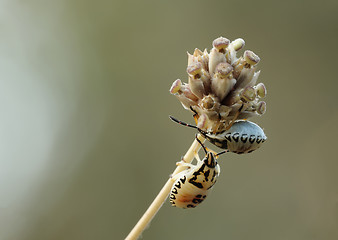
{"type": "Point", "coordinates": [205, 77]}
{"type": "Point", "coordinates": [194, 69]}
{"type": "Point", "coordinates": [261, 90]}
{"type": "Point", "coordinates": [207, 102]}
{"type": "Point", "coordinates": [202, 121]}
{"type": "Point", "coordinates": [261, 108]}
{"type": "Point", "coordinates": [223, 70]}
{"type": "Point", "coordinates": [212, 115]}
{"type": "Point", "coordinates": [221, 44]}
{"type": "Point", "coordinates": [237, 44]}
{"type": "Point", "coordinates": [248, 94]}
{"type": "Point", "coordinates": [245, 78]}
{"type": "Point", "coordinates": [221, 84]}
{"type": "Point", "coordinates": [185, 88]}
{"type": "Point", "coordinates": [176, 86]}
{"type": "Point", "coordinates": [224, 111]}
{"type": "Point", "coordinates": [251, 58]}
{"type": "Point", "coordinates": [254, 79]}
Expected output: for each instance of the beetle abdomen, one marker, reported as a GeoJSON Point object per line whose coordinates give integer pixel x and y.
{"type": "Point", "coordinates": [242, 137]}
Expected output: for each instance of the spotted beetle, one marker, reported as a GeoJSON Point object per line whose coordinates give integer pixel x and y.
{"type": "Point", "coordinates": [191, 186]}
{"type": "Point", "coordinates": [242, 137]}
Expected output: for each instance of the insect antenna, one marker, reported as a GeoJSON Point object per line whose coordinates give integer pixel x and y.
{"type": "Point", "coordinates": [220, 153]}
{"type": "Point", "coordinates": [182, 123]}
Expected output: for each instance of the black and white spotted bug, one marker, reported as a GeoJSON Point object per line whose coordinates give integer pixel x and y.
{"type": "Point", "coordinates": [191, 186]}
{"type": "Point", "coordinates": [242, 137]}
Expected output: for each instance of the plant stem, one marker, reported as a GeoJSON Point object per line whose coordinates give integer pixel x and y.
{"type": "Point", "coordinates": [163, 194]}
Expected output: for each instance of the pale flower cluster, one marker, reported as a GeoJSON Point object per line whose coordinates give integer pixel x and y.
{"type": "Point", "coordinates": [221, 87]}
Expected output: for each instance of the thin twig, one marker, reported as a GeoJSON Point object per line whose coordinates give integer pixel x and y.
{"type": "Point", "coordinates": [163, 194]}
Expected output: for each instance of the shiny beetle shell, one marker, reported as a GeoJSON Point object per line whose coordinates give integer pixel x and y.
{"type": "Point", "coordinates": [192, 186]}
{"type": "Point", "coordinates": [242, 137]}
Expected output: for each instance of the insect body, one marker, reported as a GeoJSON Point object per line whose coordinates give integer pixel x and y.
{"type": "Point", "coordinates": [243, 136]}
{"type": "Point", "coordinates": [191, 186]}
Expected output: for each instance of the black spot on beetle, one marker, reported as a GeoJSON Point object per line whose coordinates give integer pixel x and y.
{"type": "Point", "coordinates": [252, 138]}
{"type": "Point", "coordinates": [178, 185]}
{"type": "Point", "coordinates": [235, 137]}
{"type": "Point", "coordinates": [174, 191]}
{"type": "Point", "coordinates": [172, 196]}
{"type": "Point", "coordinates": [198, 196]}
{"type": "Point", "coordinates": [244, 138]}
{"type": "Point", "coordinates": [183, 179]}
{"type": "Point", "coordinates": [197, 184]}
{"type": "Point", "coordinates": [228, 137]}
{"type": "Point", "coordinates": [190, 206]}
{"type": "Point", "coordinates": [206, 175]}
{"type": "Point", "coordinates": [197, 200]}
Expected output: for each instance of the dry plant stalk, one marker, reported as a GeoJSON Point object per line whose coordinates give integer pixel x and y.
{"type": "Point", "coordinates": [162, 195]}
{"type": "Point", "coordinates": [221, 92]}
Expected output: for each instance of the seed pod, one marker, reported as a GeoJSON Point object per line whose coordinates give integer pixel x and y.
{"type": "Point", "coordinates": [237, 44]}
{"type": "Point", "coordinates": [251, 58]}
{"type": "Point", "coordinates": [261, 108]}
{"type": "Point", "coordinates": [248, 94]}
{"type": "Point", "coordinates": [261, 90]}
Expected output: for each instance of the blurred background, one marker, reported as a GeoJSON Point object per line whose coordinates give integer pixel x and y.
{"type": "Point", "coordinates": [85, 138]}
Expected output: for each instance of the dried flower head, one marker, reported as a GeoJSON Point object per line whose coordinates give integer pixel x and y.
{"type": "Point", "coordinates": [221, 86]}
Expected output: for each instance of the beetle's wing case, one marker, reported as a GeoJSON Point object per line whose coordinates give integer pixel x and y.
{"type": "Point", "coordinates": [192, 185]}
{"type": "Point", "coordinates": [188, 196]}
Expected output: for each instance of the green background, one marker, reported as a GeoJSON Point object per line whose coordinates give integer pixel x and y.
{"type": "Point", "coordinates": [85, 138]}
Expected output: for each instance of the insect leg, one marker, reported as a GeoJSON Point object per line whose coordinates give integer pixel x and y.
{"type": "Point", "coordinates": [184, 163]}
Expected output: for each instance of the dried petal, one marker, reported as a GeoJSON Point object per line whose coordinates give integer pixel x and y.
{"type": "Point", "coordinates": [222, 86]}
{"type": "Point", "coordinates": [188, 93]}
{"type": "Point", "coordinates": [197, 52]}
{"type": "Point", "coordinates": [205, 77]}
{"type": "Point", "coordinates": [245, 77]}
{"type": "Point", "coordinates": [215, 58]}
{"type": "Point", "coordinates": [196, 87]}
{"type": "Point", "coordinates": [224, 111]}
{"type": "Point", "coordinates": [186, 102]}
{"type": "Point", "coordinates": [202, 121]}
{"type": "Point", "coordinates": [254, 79]}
